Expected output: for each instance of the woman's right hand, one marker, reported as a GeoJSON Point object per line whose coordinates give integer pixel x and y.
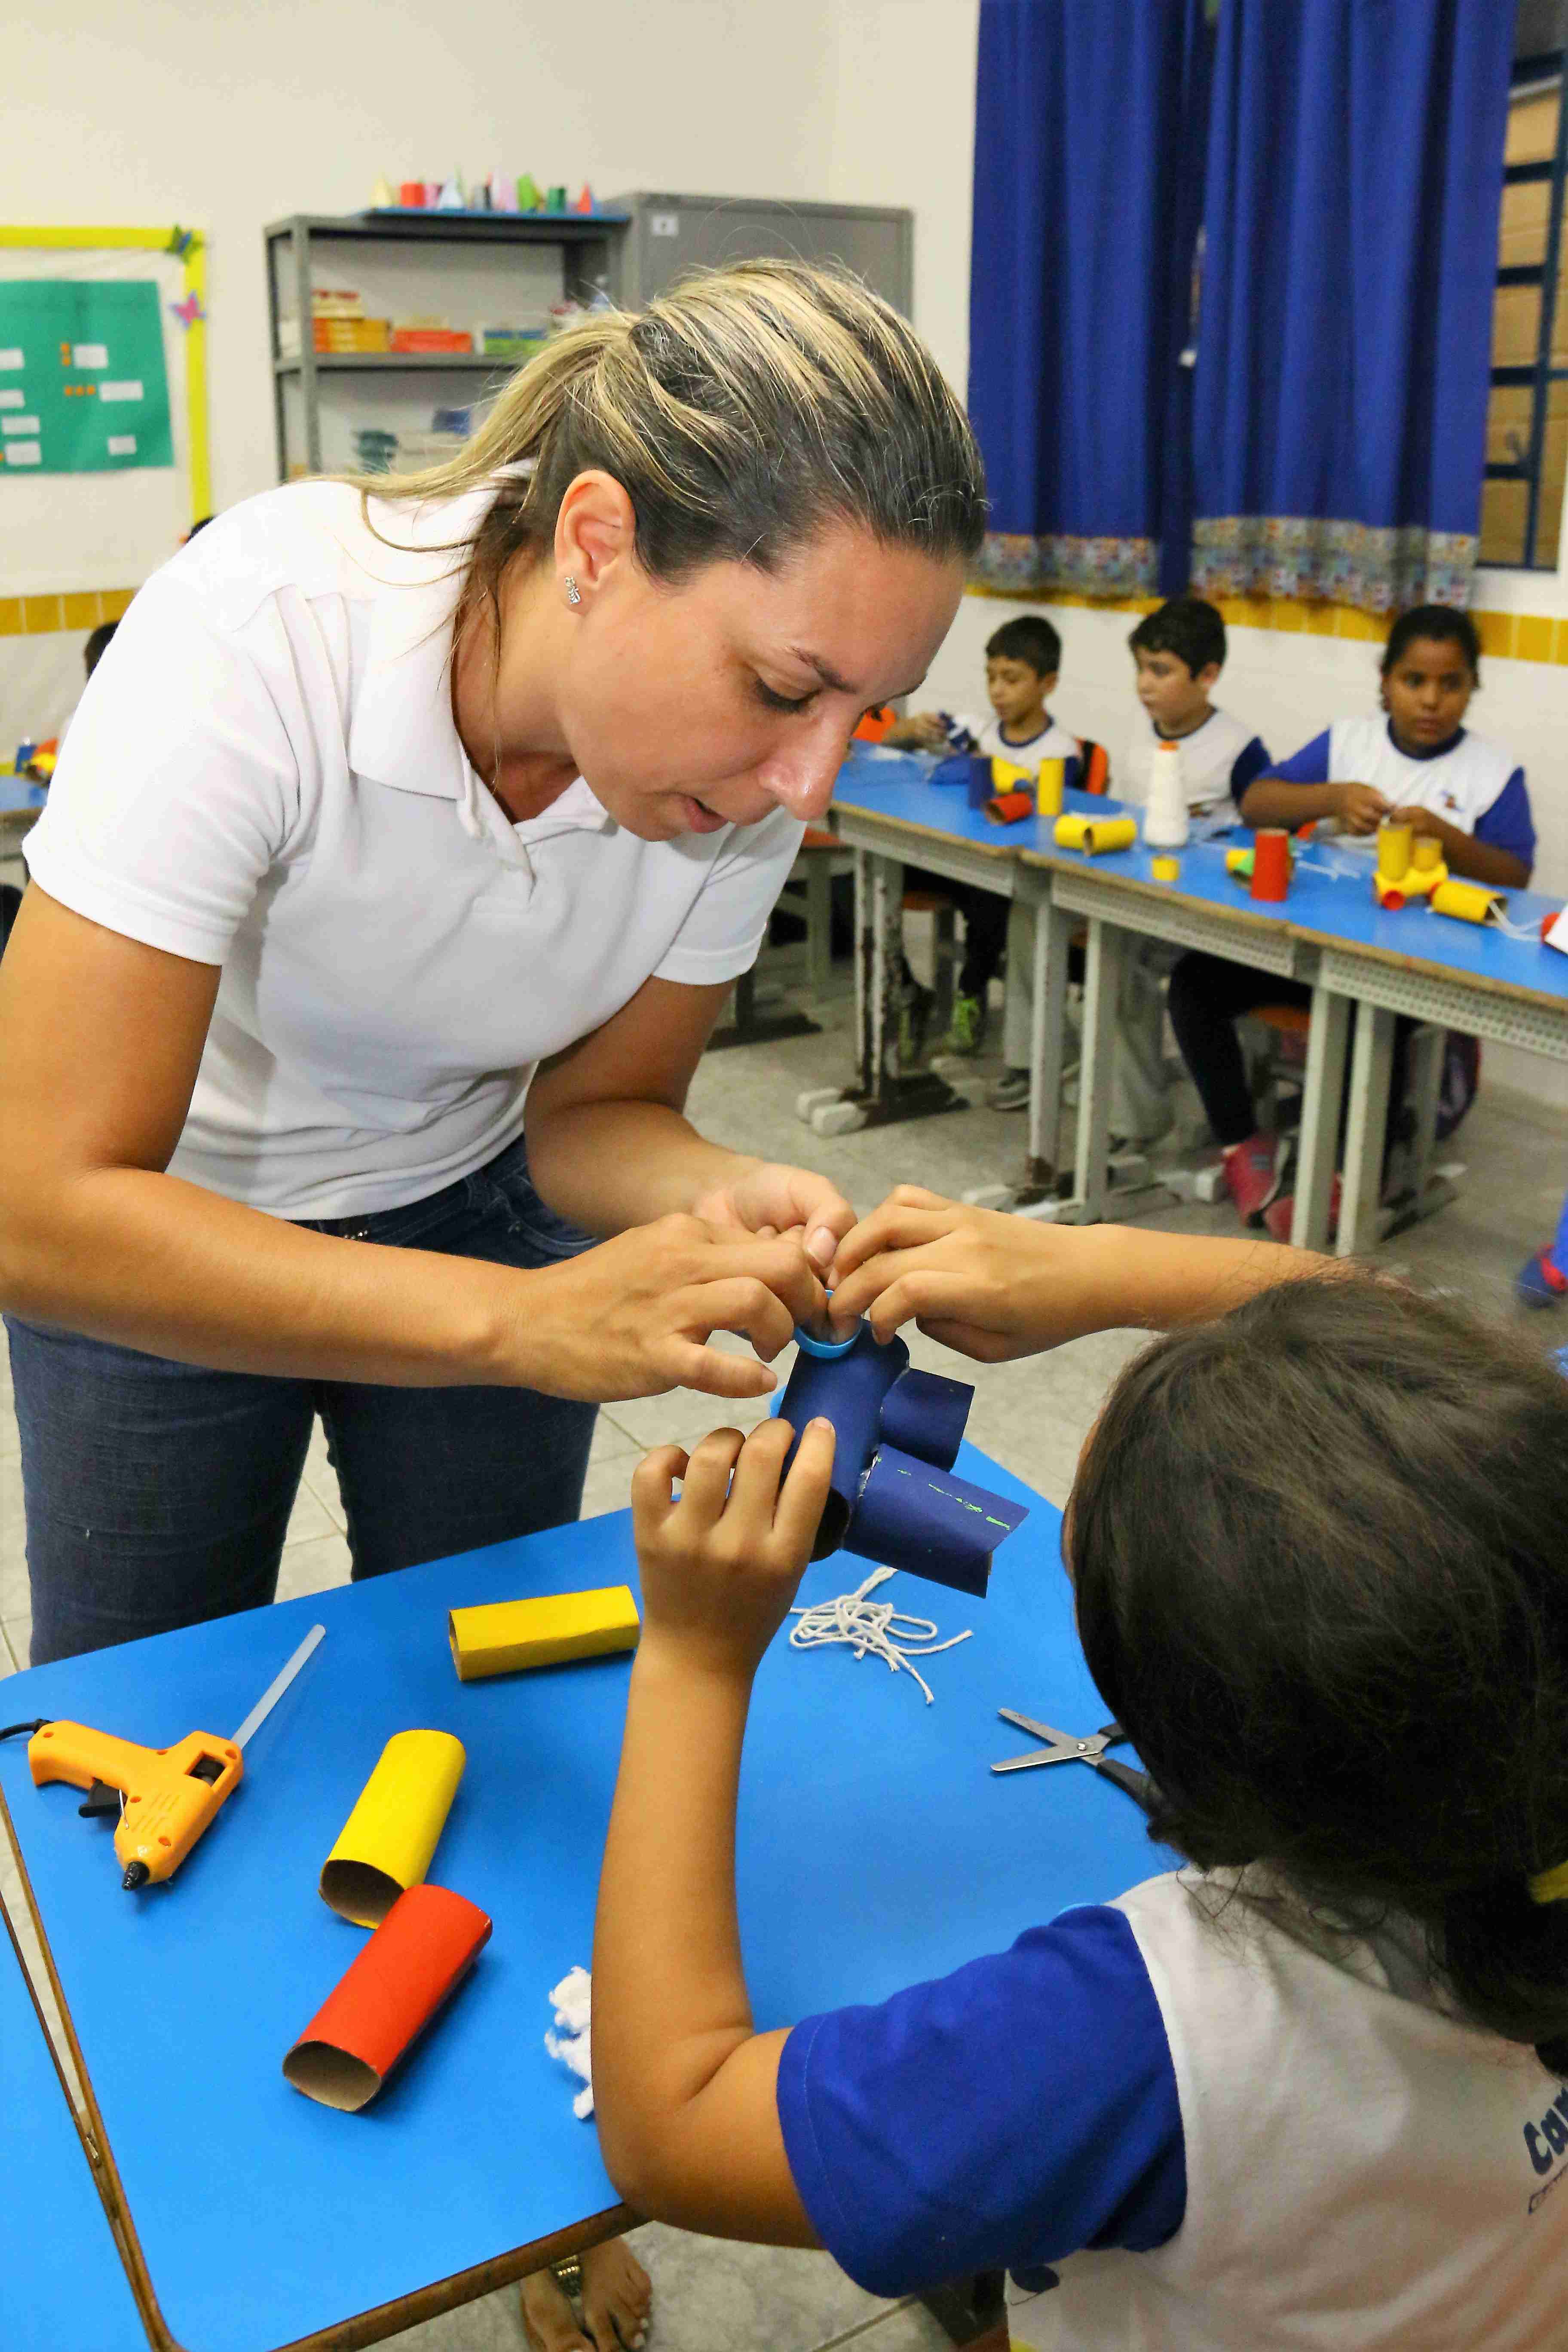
{"type": "Point", "coordinates": [633, 1317]}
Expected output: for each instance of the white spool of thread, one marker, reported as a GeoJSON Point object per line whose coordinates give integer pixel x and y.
{"type": "Point", "coordinates": [1165, 818]}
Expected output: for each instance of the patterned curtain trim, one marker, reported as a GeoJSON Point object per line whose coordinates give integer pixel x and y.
{"type": "Point", "coordinates": [1024, 565]}
{"type": "Point", "coordinates": [1380, 570]}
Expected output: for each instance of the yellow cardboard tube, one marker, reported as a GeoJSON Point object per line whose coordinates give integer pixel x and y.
{"type": "Point", "coordinates": [1472, 902]}
{"type": "Point", "coordinates": [1051, 786]}
{"type": "Point", "coordinates": [504, 1636]}
{"type": "Point", "coordinates": [1425, 850]}
{"type": "Point", "coordinates": [388, 1839]}
{"type": "Point", "coordinates": [1393, 843]}
{"type": "Point", "coordinates": [1006, 777]}
{"type": "Point", "coordinates": [1093, 834]}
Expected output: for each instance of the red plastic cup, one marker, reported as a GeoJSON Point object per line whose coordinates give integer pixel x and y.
{"type": "Point", "coordinates": [1271, 863]}
{"type": "Point", "coordinates": [381, 2005]}
{"type": "Point", "coordinates": [411, 192]}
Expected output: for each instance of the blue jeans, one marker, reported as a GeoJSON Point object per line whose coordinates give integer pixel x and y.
{"type": "Point", "coordinates": [158, 1494]}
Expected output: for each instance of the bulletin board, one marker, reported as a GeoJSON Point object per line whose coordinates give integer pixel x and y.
{"type": "Point", "coordinates": [103, 404]}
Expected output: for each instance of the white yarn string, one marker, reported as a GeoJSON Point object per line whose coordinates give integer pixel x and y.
{"type": "Point", "coordinates": [871, 1625]}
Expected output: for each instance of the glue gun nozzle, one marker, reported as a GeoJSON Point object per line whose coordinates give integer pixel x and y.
{"type": "Point", "coordinates": [136, 1875]}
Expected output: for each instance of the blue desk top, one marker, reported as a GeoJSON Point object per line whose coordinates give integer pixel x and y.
{"type": "Point", "coordinates": [875, 1850]}
{"type": "Point", "coordinates": [16, 792]}
{"type": "Point", "coordinates": [64, 2286]}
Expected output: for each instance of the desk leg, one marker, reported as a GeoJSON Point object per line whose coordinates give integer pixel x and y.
{"type": "Point", "coordinates": [1320, 1118]}
{"type": "Point", "coordinates": [1371, 1068]}
{"type": "Point", "coordinates": [1053, 934]}
{"type": "Point", "coordinates": [1101, 990]}
{"type": "Point", "coordinates": [819, 923]}
{"type": "Point", "coordinates": [880, 904]}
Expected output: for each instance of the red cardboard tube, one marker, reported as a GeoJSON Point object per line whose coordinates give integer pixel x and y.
{"type": "Point", "coordinates": [1270, 862]}
{"type": "Point", "coordinates": [418, 1956]}
{"type": "Point", "coordinates": [1007, 808]}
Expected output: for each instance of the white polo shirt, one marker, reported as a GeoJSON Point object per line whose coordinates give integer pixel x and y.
{"type": "Point", "coordinates": [264, 774]}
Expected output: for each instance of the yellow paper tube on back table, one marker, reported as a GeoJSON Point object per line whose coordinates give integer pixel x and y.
{"type": "Point", "coordinates": [1094, 835]}
{"type": "Point", "coordinates": [388, 1839]}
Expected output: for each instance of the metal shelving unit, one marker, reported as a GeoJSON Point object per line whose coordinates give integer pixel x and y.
{"type": "Point", "coordinates": [590, 246]}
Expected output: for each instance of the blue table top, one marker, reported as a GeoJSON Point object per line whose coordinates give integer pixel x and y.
{"type": "Point", "coordinates": [16, 792]}
{"type": "Point", "coordinates": [875, 1850]}
{"type": "Point", "coordinates": [64, 2286]}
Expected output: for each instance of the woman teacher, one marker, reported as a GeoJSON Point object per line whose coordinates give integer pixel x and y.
{"type": "Point", "coordinates": [396, 867]}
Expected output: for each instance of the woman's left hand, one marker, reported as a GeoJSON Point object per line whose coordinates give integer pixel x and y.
{"type": "Point", "coordinates": [768, 1196]}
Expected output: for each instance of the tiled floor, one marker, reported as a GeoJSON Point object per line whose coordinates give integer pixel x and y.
{"type": "Point", "coordinates": [716, 2297]}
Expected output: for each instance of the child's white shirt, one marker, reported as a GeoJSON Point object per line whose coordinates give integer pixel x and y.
{"type": "Point", "coordinates": [1219, 760]}
{"type": "Point", "coordinates": [1363, 2169]}
{"type": "Point", "coordinates": [1050, 742]}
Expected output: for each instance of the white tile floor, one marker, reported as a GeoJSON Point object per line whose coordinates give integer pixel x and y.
{"type": "Point", "coordinates": [1032, 1417]}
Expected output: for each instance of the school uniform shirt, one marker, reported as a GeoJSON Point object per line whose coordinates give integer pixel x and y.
{"type": "Point", "coordinates": [1472, 784]}
{"type": "Point", "coordinates": [1217, 2129]}
{"type": "Point", "coordinates": [1050, 742]}
{"type": "Point", "coordinates": [1219, 760]}
{"type": "Point", "coordinates": [264, 775]}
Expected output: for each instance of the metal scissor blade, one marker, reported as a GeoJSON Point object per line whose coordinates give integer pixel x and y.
{"type": "Point", "coordinates": [1037, 1756]}
{"type": "Point", "coordinates": [1063, 1739]}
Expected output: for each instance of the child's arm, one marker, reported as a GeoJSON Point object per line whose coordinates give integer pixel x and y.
{"type": "Point", "coordinates": [684, 2089]}
{"type": "Point", "coordinates": [921, 731]}
{"type": "Point", "coordinates": [1274, 800]}
{"type": "Point", "coordinates": [996, 1286]}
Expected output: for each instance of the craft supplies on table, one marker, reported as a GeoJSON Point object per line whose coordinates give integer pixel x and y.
{"type": "Point", "coordinates": [385, 1845]}
{"type": "Point", "coordinates": [418, 1956]}
{"type": "Point", "coordinates": [1094, 836]}
{"type": "Point", "coordinates": [503, 1637]}
{"type": "Point", "coordinates": [877, 1629]}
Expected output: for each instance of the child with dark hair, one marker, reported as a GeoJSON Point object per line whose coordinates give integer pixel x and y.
{"type": "Point", "coordinates": [1179, 652]}
{"type": "Point", "coordinates": [1308, 2089]}
{"type": "Point", "coordinates": [1417, 763]}
{"type": "Point", "coordinates": [1023, 663]}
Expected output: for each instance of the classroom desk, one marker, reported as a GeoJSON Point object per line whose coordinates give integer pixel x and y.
{"type": "Point", "coordinates": [62, 2286]}
{"type": "Point", "coordinates": [17, 795]}
{"type": "Point", "coordinates": [875, 1849]}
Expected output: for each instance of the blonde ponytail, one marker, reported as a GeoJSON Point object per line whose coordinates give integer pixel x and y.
{"type": "Point", "coordinates": [740, 412]}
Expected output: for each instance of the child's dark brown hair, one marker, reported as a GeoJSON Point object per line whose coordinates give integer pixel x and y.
{"type": "Point", "coordinates": [1321, 1553]}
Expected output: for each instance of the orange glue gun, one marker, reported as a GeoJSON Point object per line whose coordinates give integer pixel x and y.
{"type": "Point", "coordinates": [165, 1797]}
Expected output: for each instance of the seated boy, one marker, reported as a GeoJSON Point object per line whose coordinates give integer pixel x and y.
{"type": "Point", "coordinates": [1179, 651]}
{"type": "Point", "coordinates": [1023, 661]}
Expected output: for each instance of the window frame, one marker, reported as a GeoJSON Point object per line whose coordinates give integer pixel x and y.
{"type": "Point", "coordinates": [1543, 70]}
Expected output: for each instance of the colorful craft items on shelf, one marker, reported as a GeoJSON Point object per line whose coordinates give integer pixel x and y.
{"type": "Point", "coordinates": [425, 1946]}
{"type": "Point", "coordinates": [894, 1498]}
{"type": "Point", "coordinates": [1409, 865]}
{"type": "Point", "coordinates": [496, 192]}
{"type": "Point", "coordinates": [504, 1637]}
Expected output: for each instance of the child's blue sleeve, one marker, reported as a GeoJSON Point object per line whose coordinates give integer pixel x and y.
{"type": "Point", "coordinates": [1310, 765]}
{"type": "Point", "coordinates": [1248, 766]}
{"type": "Point", "coordinates": [1508, 824]}
{"type": "Point", "coordinates": [1006, 2116]}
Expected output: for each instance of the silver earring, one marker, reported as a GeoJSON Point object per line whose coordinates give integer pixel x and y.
{"type": "Point", "coordinates": [573, 593]}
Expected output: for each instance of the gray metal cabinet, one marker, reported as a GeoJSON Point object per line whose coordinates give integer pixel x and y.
{"type": "Point", "coordinates": [673, 233]}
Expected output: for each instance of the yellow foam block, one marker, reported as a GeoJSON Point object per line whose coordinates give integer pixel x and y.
{"type": "Point", "coordinates": [504, 1636]}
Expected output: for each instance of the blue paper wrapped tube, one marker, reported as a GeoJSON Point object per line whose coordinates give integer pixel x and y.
{"type": "Point", "coordinates": [911, 1514]}
{"type": "Point", "coordinates": [894, 1498]}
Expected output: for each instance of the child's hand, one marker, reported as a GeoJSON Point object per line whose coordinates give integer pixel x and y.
{"type": "Point", "coordinates": [922, 731]}
{"type": "Point", "coordinates": [722, 1563]}
{"type": "Point", "coordinates": [990, 1286]}
{"type": "Point", "coordinates": [1359, 808]}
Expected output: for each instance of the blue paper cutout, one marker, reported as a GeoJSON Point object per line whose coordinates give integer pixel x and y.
{"type": "Point", "coordinates": [894, 1498]}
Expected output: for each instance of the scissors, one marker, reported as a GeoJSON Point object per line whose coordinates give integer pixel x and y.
{"type": "Point", "coordinates": [1064, 1749]}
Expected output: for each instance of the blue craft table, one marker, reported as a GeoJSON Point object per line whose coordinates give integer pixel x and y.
{"type": "Point", "coordinates": [17, 795]}
{"type": "Point", "coordinates": [875, 1849]}
{"type": "Point", "coordinates": [65, 2289]}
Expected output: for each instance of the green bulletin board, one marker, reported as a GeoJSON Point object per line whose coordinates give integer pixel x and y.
{"type": "Point", "coordinates": [82, 383]}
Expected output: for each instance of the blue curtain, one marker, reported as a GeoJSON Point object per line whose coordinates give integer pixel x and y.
{"type": "Point", "coordinates": [1090, 135]}
{"type": "Point", "coordinates": [1354, 181]}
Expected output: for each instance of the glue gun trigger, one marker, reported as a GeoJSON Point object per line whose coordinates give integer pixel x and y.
{"type": "Point", "coordinates": [100, 1798]}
